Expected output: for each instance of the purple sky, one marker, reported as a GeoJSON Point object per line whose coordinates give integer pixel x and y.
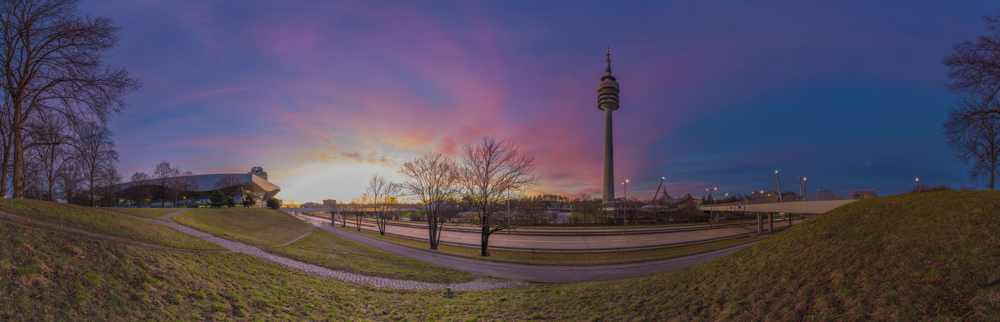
{"type": "Point", "coordinates": [714, 94]}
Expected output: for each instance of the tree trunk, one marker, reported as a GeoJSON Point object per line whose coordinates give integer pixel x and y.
{"type": "Point", "coordinates": [485, 241]}
{"type": "Point", "coordinates": [432, 228]}
{"type": "Point", "coordinates": [3, 167]}
{"type": "Point", "coordinates": [18, 161]}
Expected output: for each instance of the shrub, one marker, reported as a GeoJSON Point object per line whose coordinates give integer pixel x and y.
{"type": "Point", "coordinates": [217, 198]}
{"type": "Point", "coordinates": [248, 200]}
{"type": "Point", "coordinates": [273, 203]}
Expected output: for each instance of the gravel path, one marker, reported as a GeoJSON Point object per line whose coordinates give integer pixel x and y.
{"type": "Point", "coordinates": [476, 285]}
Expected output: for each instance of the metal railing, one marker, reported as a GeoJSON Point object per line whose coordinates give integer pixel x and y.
{"type": "Point", "coordinates": [819, 196]}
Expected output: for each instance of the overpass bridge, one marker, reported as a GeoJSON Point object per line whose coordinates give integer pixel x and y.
{"type": "Point", "coordinates": [807, 204]}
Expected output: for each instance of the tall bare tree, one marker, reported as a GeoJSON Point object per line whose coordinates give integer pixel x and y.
{"type": "Point", "coordinates": [972, 124]}
{"type": "Point", "coordinates": [163, 176]}
{"type": "Point", "coordinates": [491, 169]}
{"type": "Point", "coordinates": [51, 58]}
{"type": "Point", "coordinates": [95, 152]}
{"type": "Point", "coordinates": [979, 144]}
{"type": "Point", "coordinates": [139, 187]}
{"type": "Point", "coordinates": [380, 195]}
{"type": "Point", "coordinates": [433, 180]}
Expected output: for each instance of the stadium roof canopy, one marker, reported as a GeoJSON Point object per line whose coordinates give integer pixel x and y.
{"type": "Point", "coordinates": [206, 183]}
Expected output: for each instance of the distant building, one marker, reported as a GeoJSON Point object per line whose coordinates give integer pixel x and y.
{"type": "Point", "coordinates": [329, 202]}
{"type": "Point", "coordinates": [258, 171]}
{"type": "Point", "coordinates": [309, 205]}
{"type": "Point", "coordinates": [197, 188]}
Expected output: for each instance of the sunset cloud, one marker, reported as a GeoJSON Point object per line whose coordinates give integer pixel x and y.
{"type": "Point", "coordinates": [713, 94]}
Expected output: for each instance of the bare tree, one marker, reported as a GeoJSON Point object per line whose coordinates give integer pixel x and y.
{"type": "Point", "coordinates": [139, 187]}
{"type": "Point", "coordinates": [228, 184]}
{"type": "Point", "coordinates": [380, 195]}
{"type": "Point", "coordinates": [95, 152]}
{"type": "Point", "coordinates": [182, 184]}
{"type": "Point", "coordinates": [433, 180]}
{"type": "Point", "coordinates": [980, 146]}
{"type": "Point", "coordinates": [972, 123]}
{"type": "Point", "coordinates": [163, 174]}
{"type": "Point", "coordinates": [108, 186]}
{"type": "Point", "coordinates": [49, 153]}
{"type": "Point", "coordinates": [51, 58]}
{"type": "Point", "coordinates": [491, 169]}
{"type": "Point", "coordinates": [70, 181]}
{"type": "Point", "coordinates": [357, 207]}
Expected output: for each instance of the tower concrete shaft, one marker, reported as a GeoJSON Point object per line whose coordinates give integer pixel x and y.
{"type": "Point", "coordinates": [607, 101]}
{"type": "Point", "coordinates": [609, 160]}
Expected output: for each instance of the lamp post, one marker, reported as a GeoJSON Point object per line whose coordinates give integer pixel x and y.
{"type": "Point", "coordinates": [804, 187]}
{"type": "Point", "coordinates": [625, 211]}
{"type": "Point", "coordinates": [777, 178]}
{"type": "Point", "coordinates": [711, 212]}
{"type": "Point", "coordinates": [917, 184]}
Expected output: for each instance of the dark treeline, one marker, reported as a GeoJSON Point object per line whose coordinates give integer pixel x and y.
{"type": "Point", "coordinates": [56, 100]}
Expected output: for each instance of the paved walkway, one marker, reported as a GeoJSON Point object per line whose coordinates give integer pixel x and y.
{"type": "Point", "coordinates": [537, 273]}
{"type": "Point", "coordinates": [476, 285]}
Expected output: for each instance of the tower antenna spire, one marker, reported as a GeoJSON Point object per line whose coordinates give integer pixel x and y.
{"type": "Point", "coordinates": [607, 71]}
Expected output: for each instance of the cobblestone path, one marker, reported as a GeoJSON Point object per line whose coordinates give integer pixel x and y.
{"type": "Point", "coordinates": [476, 285]}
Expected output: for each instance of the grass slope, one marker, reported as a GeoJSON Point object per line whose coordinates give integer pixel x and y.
{"type": "Point", "coordinates": [571, 258]}
{"type": "Point", "coordinates": [254, 226]}
{"type": "Point", "coordinates": [328, 250]}
{"type": "Point", "coordinates": [908, 257]}
{"type": "Point", "coordinates": [152, 213]}
{"type": "Point", "coordinates": [104, 222]}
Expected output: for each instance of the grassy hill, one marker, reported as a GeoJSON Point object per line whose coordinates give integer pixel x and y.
{"type": "Point", "coordinates": [907, 257]}
{"type": "Point", "coordinates": [154, 213]}
{"type": "Point", "coordinates": [97, 221]}
{"type": "Point", "coordinates": [254, 226]}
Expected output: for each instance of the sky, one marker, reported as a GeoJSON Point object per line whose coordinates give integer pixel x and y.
{"type": "Point", "coordinates": [714, 94]}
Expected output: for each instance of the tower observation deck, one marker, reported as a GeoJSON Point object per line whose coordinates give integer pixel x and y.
{"type": "Point", "coordinates": [607, 101]}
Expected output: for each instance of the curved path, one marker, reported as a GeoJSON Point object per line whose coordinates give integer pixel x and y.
{"type": "Point", "coordinates": [537, 273]}
{"type": "Point", "coordinates": [476, 285]}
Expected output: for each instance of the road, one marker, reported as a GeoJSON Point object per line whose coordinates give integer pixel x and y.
{"type": "Point", "coordinates": [573, 243]}
{"type": "Point", "coordinates": [538, 273]}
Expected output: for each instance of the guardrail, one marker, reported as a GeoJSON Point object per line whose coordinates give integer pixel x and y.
{"type": "Point", "coordinates": [819, 196]}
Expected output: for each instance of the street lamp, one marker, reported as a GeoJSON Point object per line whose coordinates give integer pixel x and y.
{"type": "Point", "coordinates": [625, 209]}
{"type": "Point", "coordinates": [917, 184]}
{"type": "Point", "coordinates": [711, 212]}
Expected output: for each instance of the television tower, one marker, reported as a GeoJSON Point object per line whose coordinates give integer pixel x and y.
{"type": "Point", "coordinates": [607, 101]}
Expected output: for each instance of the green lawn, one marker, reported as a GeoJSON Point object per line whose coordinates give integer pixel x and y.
{"type": "Point", "coordinates": [569, 258]}
{"type": "Point", "coordinates": [153, 213]}
{"type": "Point", "coordinates": [254, 226]}
{"type": "Point", "coordinates": [921, 257]}
{"type": "Point", "coordinates": [328, 250]}
{"type": "Point", "coordinates": [102, 221]}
